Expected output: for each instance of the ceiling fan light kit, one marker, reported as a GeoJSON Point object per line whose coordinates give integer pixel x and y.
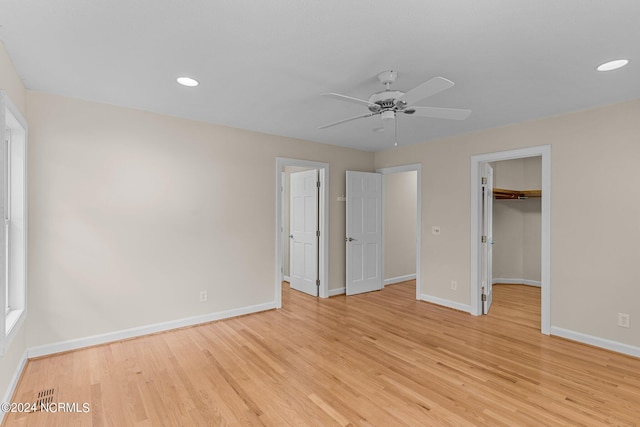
{"type": "Point", "coordinates": [388, 103]}
{"type": "Point", "coordinates": [388, 115]}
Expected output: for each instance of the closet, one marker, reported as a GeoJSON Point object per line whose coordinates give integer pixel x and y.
{"type": "Point", "coordinates": [517, 219]}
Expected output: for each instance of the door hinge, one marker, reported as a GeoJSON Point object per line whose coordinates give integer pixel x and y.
{"type": "Point", "coordinates": [484, 297]}
{"type": "Point", "coordinates": [484, 239]}
{"type": "Point", "coordinates": [484, 180]}
{"type": "Point", "coordinates": [318, 233]}
{"type": "Point", "coordinates": [318, 282]}
{"type": "Point", "coordinates": [318, 184]}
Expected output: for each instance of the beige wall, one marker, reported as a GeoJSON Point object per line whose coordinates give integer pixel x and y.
{"type": "Point", "coordinates": [11, 83]}
{"type": "Point", "coordinates": [518, 174]}
{"type": "Point", "coordinates": [508, 227]}
{"type": "Point", "coordinates": [531, 237]}
{"type": "Point", "coordinates": [594, 221]}
{"type": "Point", "coordinates": [517, 223]}
{"type": "Point", "coordinates": [133, 213]}
{"type": "Point", "coordinates": [400, 224]}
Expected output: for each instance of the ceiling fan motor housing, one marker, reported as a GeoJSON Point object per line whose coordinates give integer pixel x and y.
{"type": "Point", "coordinates": [385, 100]}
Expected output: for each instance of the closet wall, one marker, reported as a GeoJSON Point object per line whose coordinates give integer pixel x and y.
{"type": "Point", "coordinates": [516, 223]}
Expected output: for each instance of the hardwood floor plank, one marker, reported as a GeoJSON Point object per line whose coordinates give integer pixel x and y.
{"type": "Point", "coordinates": [375, 359]}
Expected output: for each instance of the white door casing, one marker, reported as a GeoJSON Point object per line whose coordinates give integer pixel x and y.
{"type": "Point", "coordinates": [304, 226]}
{"type": "Point", "coordinates": [363, 232]}
{"type": "Point", "coordinates": [487, 237]}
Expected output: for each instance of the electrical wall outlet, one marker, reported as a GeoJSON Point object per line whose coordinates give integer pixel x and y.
{"type": "Point", "coordinates": [624, 320]}
{"type": "Point", "coordinates": [454, 285]}
{"type": "Point", "coordinates": [203, 296]}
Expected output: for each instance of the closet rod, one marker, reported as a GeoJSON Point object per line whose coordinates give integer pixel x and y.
{"type": "Point", "coordinates": [504, 194]}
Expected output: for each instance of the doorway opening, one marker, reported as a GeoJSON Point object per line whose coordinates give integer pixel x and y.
{"type": "Point", "coordinates": [516, 239]}
{"type": "Point", "coordinates": [402, 241]}
{"type": "Point", "coordinates": [481, 244]}
{"type": "Point", "coordinates": [284, 165]}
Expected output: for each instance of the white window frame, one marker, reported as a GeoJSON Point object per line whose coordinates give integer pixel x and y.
{"type": "Point", "coordinates": [13, 249]}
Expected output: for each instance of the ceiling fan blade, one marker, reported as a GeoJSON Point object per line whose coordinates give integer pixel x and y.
{"type": "Point", "coordinates": [347, 120]}
{"type": "Point", "coordinates": [438, 112]}
{"type": "Point", "coordinates": [350, 99]}
{"type": "Point", "coordinates": [426, 89]}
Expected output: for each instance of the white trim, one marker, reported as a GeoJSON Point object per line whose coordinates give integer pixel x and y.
{"type": "Point", "coordinates": [10, 324]}
{"type": "Point", "coordinates": [286, 279]}
{"type": "Point", "coordinates": [399, 279]}
{"type": "Point", "coordinates": [324, 224]}
{"type": "Point", "coordinates": [338, 291]}
{"type": "Point", "coordinates": [596, 341]}
{"type": "Point", "coordinates": [13, 383]}
{"type": "Point", "coordinates": [527, 282]}
{"type": "Point", "coordinates": [408, 168]}
{"type": "Point", "coordinates": [476, 205]}
{"type": "Point", "coordinates": [446, 303]}
{"type": "Point", "coordinates": [47, 349]}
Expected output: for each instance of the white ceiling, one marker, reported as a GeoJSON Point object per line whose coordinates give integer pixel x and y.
{"type": "Point", "coordinates": [262, 65]}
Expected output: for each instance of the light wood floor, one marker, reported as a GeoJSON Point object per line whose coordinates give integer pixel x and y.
{"type": "Point", "coordinates": [376, 359]}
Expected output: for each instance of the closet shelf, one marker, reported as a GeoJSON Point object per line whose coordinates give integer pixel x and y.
{"type": "Point", "coordinates": [503, 194]}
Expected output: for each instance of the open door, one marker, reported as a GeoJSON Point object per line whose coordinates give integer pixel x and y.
{"type": "Point", "coordinates": [364, 232]}
{"type": "Point", "coordinates": [304, 232]}
{"type": "Point", "coordinates": [486, 274]}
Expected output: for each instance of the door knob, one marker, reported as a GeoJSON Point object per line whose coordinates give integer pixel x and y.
{"type": "Point", "coordinates": [349, 239]}
{"type": "Point", "coordinates": [291, 236]}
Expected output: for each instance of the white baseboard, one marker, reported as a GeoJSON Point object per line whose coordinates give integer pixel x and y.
{"type": "Point", "coordinates": [286, 279]}
{"type": "Point", "coordinates": [596, 341]}
{"type": "Point", "coordinates": [8, 394]}
{"type": "Point", "coordinates": [517, 282]}
{"type": "Point", "coordinates": [339, 291]}
{"type": "Point", "coordinates": [399, 279]}
{"type": "Point", "coordinates": [75, 344]}
{"type": "Point", "coordinates": [446, 303]}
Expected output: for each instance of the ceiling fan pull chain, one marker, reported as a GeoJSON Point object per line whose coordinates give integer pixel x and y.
{"type": "Point", "coordinates": [396, 133]}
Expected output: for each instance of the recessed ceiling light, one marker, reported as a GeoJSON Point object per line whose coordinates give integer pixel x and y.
{"type": "Point", "coordinates": [187, 81]}
{"type": "Point", "coordinates": [612, 65]}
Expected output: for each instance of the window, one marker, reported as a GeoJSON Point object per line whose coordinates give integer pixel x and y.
{"type": "Point", "coordinates": [13, 242]}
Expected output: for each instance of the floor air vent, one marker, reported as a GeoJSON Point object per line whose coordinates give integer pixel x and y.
{"type": "Point", "coordinates": [44, 398]}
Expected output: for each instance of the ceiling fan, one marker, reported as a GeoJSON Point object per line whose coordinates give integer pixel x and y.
{"type": "Point", "coordinates": [389, 103]}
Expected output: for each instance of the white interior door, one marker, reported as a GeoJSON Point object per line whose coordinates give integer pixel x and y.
{"type": "Point", "coordinates": [487, 237]}
{"type": "Point", "coordinates": [364, 232]}
{"type": "Point", "coordinates": [303, 232]}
